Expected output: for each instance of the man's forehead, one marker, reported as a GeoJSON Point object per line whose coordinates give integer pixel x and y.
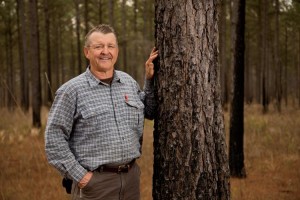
{"type": "Point", "coordinates": [107, 37]}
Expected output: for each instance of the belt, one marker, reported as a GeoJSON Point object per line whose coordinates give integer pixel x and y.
{"type": "Point", "coordinates": [117, 169]}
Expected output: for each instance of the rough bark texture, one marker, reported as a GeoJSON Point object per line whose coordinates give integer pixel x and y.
{"type": "Point", "coordinates": [190, 161]}
{"type": "Point", "coordinates": [236, 144]}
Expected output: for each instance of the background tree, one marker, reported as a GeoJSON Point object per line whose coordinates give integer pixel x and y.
{"type": "Point", "coordinates": [236, 143]}
{"type": "Point", "coordinates": [8, 80]}
{"type": "Point", "coordinates": [278, 70]}
{"type": "Point", "coordinates": [190, 161]}
{"type": "Point", "coordinates": [111, 12]}
{"type": "Point", "coordinates": [79, 51]}
{"type": "Point", "coordinates": [124, 35]}
{"type": "Point", "coordinates": [49, 94]}
{"type": "Point", "coordinates": [224, 68]}
{"type": "Point", "coordinates": [35, 64]}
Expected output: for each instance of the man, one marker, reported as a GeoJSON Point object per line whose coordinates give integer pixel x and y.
{"type": "Point", "coordinates": [95, 125]}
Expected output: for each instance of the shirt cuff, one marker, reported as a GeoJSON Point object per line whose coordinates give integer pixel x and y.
{"type": "Point", "coordinates": [149, 85]}
{"type": "Point", "coordinates": [77, 172]}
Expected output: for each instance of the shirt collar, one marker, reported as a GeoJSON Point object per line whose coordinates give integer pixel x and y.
{"type": "Point", "coordinates": [93, 80]}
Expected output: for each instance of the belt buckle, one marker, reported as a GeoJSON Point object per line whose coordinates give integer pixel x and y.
{"type": "Point", "coordinates": [123, 168]}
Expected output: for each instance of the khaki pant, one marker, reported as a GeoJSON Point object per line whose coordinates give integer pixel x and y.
{"type": "Point", "coordinates": [110, 186]}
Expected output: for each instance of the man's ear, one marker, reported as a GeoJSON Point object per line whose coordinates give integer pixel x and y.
{"type": "Point", "coordinates": [86, 52]}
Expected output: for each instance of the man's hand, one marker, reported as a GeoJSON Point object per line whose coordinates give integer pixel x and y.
{"type": "Point", "coordinates": [149, 66]}
{"type": "Point", "coordinates": [84, 181]}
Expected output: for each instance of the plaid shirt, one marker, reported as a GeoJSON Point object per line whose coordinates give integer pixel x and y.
{"type": "Point", "coordinates": [92, 123]}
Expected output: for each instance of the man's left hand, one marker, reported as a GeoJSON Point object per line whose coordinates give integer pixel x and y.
{"type": "Point", "coordinates": [149, 66]}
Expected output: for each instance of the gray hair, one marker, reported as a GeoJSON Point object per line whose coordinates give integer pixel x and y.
{"type": "Point", "coordinates": [102, 28]}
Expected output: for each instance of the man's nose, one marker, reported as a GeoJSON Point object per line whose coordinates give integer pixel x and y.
{"type": "Point", "coordinates": [105, 49]}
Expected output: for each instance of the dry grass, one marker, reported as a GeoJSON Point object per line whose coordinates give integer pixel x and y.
{"type": "Point", "coordinates": [271, 152]}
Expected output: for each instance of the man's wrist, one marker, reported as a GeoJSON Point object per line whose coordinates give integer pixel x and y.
{"type": "Point", "coordinates": [84, 181]}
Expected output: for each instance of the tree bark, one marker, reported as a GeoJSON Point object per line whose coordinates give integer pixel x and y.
{"type": "Point", "coordinates": [78, 36]}
{"type": "Point", "coordinates": [10, 74]}
{"type": "Point", "coordinates": [190, 159]}
{"type": "Point", "coordinates": [100, 18]}
{"type": "Point", "coordinates": [298, 77]}
{"type": "Point", "coordinates": [124, 37]}
{"type": "Point", "coordinates": [135, 32]}
{"type": "Point", "coordinates": [278, 70]}
{"type": "Point", "coordinates": [48, 51]}
{"type": "Point", "coordinates": [111, 12]}
{"type": "Point", "coordinates": [224, 68]}
{"type": "Point", "coordinates": [286, 66]}
{"type": "Point", "coordinates": [35, 64]}
{"type": "Point", "coordinates": [264, 48]}
{"type": "Point", "coordinates": [236, 143]}
{"type": "Point", "coordinates": [86, 23]}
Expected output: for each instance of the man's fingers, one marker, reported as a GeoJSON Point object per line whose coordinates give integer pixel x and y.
{"type": "Point", "coordinates": [152, 57]}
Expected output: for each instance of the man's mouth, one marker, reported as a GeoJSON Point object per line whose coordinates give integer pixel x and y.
{"type": "Point", "coordinates": [105, 58]}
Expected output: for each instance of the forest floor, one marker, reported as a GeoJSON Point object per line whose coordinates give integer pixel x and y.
{"type": "Point", "coordinates": [271, 158]}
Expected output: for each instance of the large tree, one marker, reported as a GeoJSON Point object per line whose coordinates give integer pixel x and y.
{"type": "Point", "coordinates": [190, 159]}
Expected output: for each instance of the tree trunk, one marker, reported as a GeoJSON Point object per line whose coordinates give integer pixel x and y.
{"type": "Point", "coordinates": [79, 52]}
{"type": "Point", "coordinates": [264, 46]}
{"type": "Point", "coordinates": [86, 16]}
{"type": "Point", "coordinates": [135, 32]}
{"type": "Point", "coordinates": [86, 23]}
{"type": "Point", "coordinates": [72, 57]}
{"type": "Point", "coordinates": [258, 68]}
{"type": "Point", "coordinates": [224, 68]}
{"type": "Point", "coordinates": [23, 56]}
{"type": "Point", "coordinates": [35, 64]}
{"type": "Point", "coordinates": [286, 66]}
{"type": "Point", "coordinates": [10, 77]}
{"type": "Point", "coordinates": [278, 83]}
{"type": "Point", "coordinates": [248, 72]}
{"type": "Point", "coordinates": [124, 36]}
{"type": "Point", "coordinates": [48, 51]}
{"type": "Point", "coordinates": [60, 48]}
{"type": "Point", "coordinates": [111, 12]}
{"type": "Point", "coordinates": [236, 143]}
{"type": "Point", "coordinates": [56, 64]}
{"type": "Point", "coordinates": [190, 159]}
{"type": "Point", "coordinates": [298, 77]}
{"type": "Point", "coordinates": [100, 11]}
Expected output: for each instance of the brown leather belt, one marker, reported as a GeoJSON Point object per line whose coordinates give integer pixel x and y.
{"type": "Point", "coordinates": [117, 169]}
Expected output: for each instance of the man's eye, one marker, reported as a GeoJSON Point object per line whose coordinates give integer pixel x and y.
{"type": "Point", "coordinates": [98, 47]}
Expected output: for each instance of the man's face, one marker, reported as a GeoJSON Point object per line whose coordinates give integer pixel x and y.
{"type": "Point", "coordinates": [102, 51]}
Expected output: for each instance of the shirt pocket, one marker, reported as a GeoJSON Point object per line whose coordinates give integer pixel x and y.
{"type": "Point", "coordinates": [94, 119]}
{"type": "Point", "coordinates": [134, 114]}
